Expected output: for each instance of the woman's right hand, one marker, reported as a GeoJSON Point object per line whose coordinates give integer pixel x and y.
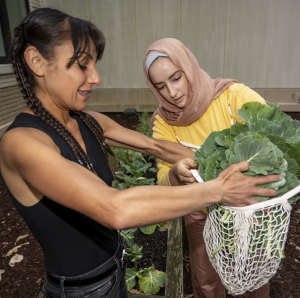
{"type": "Point", "coordinates": [180, 173]}
{"type": "Point", "coordinates": [238, 190]}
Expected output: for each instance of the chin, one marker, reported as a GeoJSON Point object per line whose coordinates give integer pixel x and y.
{"type": "Point", "coordinates": [79, 108]}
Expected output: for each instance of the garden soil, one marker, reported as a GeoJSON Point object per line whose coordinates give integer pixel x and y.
{"type": "Point", "coordinates": [23, 279]}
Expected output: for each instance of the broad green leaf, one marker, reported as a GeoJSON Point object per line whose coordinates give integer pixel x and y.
{"type": "Point", "coordinates": [265, 127]}
{"type": "Point", "coordinates": [221, 154]}
{"type": "Point", "coordinates": [221, 138]}
{"type": "Point", "coordinates": [229, 140]}
{"type": "Point", "coordinates": [293, 139]}
{"type": "Point", "coordinates": [213, 167]}
{"type": "Point", "coordinates": [128, 167]}
{"type": "Point", "coordinates": [287, 129]}
{"type": "Point", "coordinates": [297, 126]}
{"type": "Point", "coordinates": [136, 174]}
{"type": "Point", "coordinates": [143, 167]}
{"type": "Point", "coordinates": [250, 135]}
{"type": "Point", "coordinates": [210, 144]}
{"type": "Point", "coordinates": [224, 164]}
{"type": "Point", "coordinates": [274, 105]}
{"type": "Point", "coordinates": [153, 170]}
{"type": "Point", "coordinates": [261, 155]}
{"type": "Point", "coordinates": [292, 165]}
{"type": "Point", "coordinates": [238, 128]}
{"type": "Point", "coordinates": [148, 230]}
{"type": "Point", "coordinates": [291, 182]}
{"type": "Point", "coordinates": [130, 278]}
{"type": "Point", "coordinates": [152, 281]}
{"type": "Point", "coordinates": [280, 142]}
{"type": "Point", "coordinates": [253, 111]}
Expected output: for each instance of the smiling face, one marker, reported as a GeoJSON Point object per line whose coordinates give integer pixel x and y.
{"type": "Point", "coordinates": [69, 88]}
{"type": "Point", "coordinates": [170, 81]}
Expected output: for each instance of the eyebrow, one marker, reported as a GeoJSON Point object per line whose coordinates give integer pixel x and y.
{"type": "Point", "coordinates": [172, 75]}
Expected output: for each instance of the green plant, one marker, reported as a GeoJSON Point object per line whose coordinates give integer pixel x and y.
{"type": "Point", "coordinates": [121, 154]}
{"type": "Point", "coordinates": [144, 126]}
{"type": "Point", "coordinates": [270, 142]}
{"type": "Point", "coordinates": [135, 253]}
{"type": "Point", "coordinates": [128, 236]}
{"type": "Point", "coordinates": [150, 280]}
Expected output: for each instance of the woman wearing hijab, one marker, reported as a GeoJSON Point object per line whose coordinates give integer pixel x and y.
{"type": "Point", "coordinates": [192, 105]}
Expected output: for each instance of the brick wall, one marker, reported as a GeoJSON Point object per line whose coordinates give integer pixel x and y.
{"type": "Point", "coordinates": [11, 100]}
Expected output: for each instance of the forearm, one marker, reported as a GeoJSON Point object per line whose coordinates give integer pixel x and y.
{"type": "Point", "coordinates": [171, 152]}
{"type": "Point", "coordinates": [146, 205]}
{"type": "Point", "coordinates": [165, 150]}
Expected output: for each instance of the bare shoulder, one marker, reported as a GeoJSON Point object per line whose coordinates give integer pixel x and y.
{"type": "Point", "coordinates": [24, 141]}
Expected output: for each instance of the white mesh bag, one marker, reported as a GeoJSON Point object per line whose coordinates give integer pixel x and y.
{"type": "Point", "coordinates": [245, 245]}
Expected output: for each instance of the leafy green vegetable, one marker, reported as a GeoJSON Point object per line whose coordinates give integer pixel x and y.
{"type": "Point", "coordinates": [269, 141]}
{"type": "Point", "coordinates": [128, 236]}
{"type": "Point", "coordinates": [148, 230]}
{"type": "Point", "coordinates": [130, 278]}
{"type": "Point", "coordinates": [152, 281]}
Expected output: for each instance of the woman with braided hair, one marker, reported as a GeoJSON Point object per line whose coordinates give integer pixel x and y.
{"type": "Point", "coordinates": [55, 166]}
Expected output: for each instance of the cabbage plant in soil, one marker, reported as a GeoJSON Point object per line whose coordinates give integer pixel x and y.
{"type": "Point", "coordinates": [270, 142]}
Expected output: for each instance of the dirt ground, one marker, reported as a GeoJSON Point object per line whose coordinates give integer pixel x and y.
{"type": "Point", "coordinates": [24, 278]}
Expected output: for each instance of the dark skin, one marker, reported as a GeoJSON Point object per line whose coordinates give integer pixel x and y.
{"type": "Point", "coordinates": [39, 170]}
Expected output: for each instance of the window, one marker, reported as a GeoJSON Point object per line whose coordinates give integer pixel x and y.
{"type": "Point", "coordinates": [12, 12]}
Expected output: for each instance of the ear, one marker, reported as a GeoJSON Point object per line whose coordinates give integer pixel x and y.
{"type": "Point", "coordinates": [34, 60]}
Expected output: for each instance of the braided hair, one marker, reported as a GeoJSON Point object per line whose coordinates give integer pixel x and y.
{"type": "Point", "coordinates": [45, 29]}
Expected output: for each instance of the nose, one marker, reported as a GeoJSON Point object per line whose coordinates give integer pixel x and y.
{"type": "Point", "coordinates": [172, 91]}
{"type": "Point", "coordinates": [94, 77]}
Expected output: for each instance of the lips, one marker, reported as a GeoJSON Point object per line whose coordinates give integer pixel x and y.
{"type": "Point", "coordinates": [84, 93]}
{"type": "Point", "coordinates": [178, 100]}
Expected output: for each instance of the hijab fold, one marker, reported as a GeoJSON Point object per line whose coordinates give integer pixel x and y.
{"type": "Point", "coordinates": [202, 89]}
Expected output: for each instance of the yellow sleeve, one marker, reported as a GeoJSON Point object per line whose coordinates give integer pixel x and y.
{"type": "Point", "coordinates": [239, 94]}
{"type": "Point", "coordinates": [163, 131]}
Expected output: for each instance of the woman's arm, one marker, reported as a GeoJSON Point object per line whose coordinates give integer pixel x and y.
{"type": "Point", "coordinates": [118, 136]}
{"type": "Point", "coordinates": [39, 169]}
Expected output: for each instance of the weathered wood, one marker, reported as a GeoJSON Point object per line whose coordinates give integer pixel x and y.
{"type": "Point", "coordinates": [174, 274]}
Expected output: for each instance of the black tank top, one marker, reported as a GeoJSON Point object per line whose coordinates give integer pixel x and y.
{"type": "Point", "coordinates": [73, 243]}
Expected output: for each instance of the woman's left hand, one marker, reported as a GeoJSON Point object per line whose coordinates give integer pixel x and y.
{"type": "Point", "coordinates": [180, 173]}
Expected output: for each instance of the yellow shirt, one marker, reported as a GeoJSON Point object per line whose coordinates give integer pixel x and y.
{"type": "Point", "coordinates": [216, 118]}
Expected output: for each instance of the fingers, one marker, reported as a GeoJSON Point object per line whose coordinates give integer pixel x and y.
{"type": "Point", "coordinates": [267, 179]}
{"type": "Point", "coordinates": [265, 192]}
{"type": "Point", "coordinates": [190, 163]}
{"type": "Point", "coordinates": [239, 167]}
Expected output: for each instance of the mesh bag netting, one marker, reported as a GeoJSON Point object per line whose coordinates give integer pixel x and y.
{"type": "Point", "coordinates": [245, 245]}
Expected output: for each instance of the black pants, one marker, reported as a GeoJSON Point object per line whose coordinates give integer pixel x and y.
{"type": "Point", "coordinates": [113, 286]}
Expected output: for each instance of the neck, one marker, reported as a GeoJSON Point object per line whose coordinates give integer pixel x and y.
{"type": "Point", "coordinates": [58, 111]}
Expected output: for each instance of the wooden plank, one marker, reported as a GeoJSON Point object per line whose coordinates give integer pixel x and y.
{"type": "Point", "coordinates": [174, 278]}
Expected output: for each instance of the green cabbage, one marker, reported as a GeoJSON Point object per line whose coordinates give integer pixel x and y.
{"type": "Point", "coordinates": [269, 141]}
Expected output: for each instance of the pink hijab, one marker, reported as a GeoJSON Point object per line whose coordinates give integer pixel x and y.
{"type": "Point", "coordinates": [202, 88]}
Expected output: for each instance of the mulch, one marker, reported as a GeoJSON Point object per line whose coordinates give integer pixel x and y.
{"type": "Point", "coordinates": [24, 278]}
